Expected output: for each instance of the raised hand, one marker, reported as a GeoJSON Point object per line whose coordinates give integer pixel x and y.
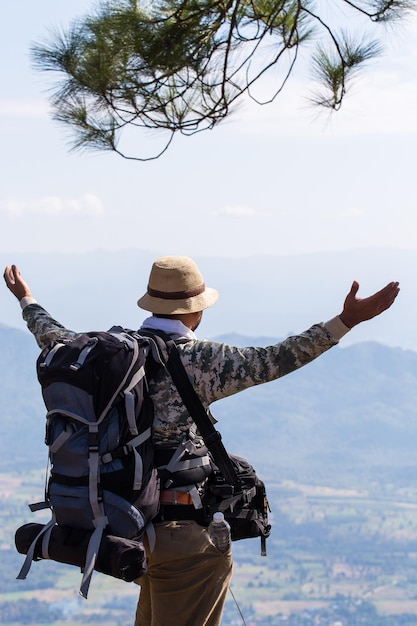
{"type": "Point", "coordinates": [15, 282]}
{"type": "Point", "coordinates": [357, 310]}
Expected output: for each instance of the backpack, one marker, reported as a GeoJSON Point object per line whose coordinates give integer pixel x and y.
{"type": "Point", "coordinates": [102, 480]}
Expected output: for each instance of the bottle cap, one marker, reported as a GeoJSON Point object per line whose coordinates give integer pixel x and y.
{"type": "Point", "coordinates": [218, 516]}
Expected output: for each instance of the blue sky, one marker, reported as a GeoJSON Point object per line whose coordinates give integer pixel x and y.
{"type": "Point", "coordinates": [272, 179]}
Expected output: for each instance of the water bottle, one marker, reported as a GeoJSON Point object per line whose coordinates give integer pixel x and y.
{"type": "Point", "coordinates": [219, 531]}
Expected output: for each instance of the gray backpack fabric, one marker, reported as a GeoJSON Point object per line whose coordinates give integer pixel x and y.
{"type": "Point", "coordinates": [102, 476]}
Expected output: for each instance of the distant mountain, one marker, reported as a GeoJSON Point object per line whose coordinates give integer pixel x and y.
{"type": "Point", "coordinates": [22, 414]}
{"type": "Point", "coordinates": [268, 295]}
{"type": "Point", "coordinates": [352, 412]}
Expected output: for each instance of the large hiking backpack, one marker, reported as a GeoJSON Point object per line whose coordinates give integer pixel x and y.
{"type": "Point", "coordinates": [103, 483]}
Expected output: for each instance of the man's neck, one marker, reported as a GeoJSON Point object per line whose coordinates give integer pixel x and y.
{"type": "Point", "coordinates": [174, 327]}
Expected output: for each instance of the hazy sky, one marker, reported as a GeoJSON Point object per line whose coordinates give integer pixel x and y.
{"type": "Point", "coordinates": [274, 179]}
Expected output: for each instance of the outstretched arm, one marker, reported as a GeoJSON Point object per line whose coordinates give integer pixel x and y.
{"type": "Point", "coordinates": [42, 325]}
{"type": "Point", "coordinates": [357, 310]}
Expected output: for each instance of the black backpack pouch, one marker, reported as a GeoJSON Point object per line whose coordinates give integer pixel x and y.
{"type": "Point", "coordinates": [245, 508]}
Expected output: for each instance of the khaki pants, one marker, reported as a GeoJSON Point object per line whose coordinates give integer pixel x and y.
{"type": "Point", "coordinates": [187, 579]}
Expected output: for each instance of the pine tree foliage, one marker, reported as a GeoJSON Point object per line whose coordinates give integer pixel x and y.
{"type": "Point", "coordinates": [181, 65]}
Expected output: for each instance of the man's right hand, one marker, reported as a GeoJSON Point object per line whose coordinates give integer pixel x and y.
{"type": "Point", "coordinates": [15, 282]}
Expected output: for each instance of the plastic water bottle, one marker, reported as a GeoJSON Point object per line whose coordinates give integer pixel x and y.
{"type": "Point", "coordinates": [219, 531]}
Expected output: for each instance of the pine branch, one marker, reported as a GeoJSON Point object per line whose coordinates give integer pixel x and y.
{"type": "Point", "coordinates": [181, 65]}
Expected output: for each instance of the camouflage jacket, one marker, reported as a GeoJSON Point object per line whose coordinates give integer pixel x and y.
{"type": "Point", "coordinates": [216, 370]}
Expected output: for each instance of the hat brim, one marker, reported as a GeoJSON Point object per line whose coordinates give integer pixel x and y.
{"type": "Point", "coordinates": [162, 306]}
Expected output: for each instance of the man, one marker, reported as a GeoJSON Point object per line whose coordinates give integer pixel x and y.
{"type": "Point", "coordinates": [188, 578]}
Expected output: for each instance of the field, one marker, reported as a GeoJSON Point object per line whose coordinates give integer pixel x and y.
{"type": "Point", "coordinates": [328, 543]}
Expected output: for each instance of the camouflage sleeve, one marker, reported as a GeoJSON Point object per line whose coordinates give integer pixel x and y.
{"type": "Point", "coordinates": [219, 370]}
{"type": "Point", "coordinates": [44, 328]}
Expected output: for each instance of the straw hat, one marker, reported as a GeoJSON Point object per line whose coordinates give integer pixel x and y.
{"type": "Point", "coordinates": [176, 286]}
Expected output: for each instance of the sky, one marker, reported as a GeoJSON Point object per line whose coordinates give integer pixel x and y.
{"type": "Point", "coordinates": [274, 179]}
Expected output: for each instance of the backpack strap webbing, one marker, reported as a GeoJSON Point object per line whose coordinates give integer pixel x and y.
{"type": "Point", "coordinates": [212, 438]}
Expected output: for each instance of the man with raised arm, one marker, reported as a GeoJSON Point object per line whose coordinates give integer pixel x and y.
{"type": "Point", "coordinates": [188, 577]}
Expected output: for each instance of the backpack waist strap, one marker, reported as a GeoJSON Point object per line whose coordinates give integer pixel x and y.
{"type": "Point", "coordinates": [71, 481]}
{"type": "Point", "coordinates": [172, 512]}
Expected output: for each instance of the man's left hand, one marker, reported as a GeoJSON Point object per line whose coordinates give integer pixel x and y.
{"type": "Point", "coordinates": [357, 310]}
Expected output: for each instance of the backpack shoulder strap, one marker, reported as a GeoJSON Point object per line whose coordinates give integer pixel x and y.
{"type": "Point", "coordinates": [212, 438]}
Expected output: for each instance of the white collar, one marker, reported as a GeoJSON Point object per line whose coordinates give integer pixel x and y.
{"type": "Point", "coordinates": [172, 327]}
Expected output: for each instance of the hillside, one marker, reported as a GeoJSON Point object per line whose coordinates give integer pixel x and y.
{"type": "Point", "coordinates": [350, 414]}
{"type": "Point", "coordinates": [22, 422]}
